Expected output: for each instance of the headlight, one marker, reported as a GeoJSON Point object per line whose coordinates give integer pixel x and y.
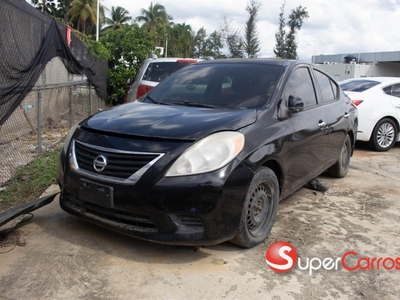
{"type": "Point", "coordinates": [69, 136]}
{"type": "Point", "coordinates": [208, 154]}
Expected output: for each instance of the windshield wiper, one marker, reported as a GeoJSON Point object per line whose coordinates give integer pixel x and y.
{"type": "Point", "coordinates": [194, 104]}
{"type": "Point", "coordinates": [155, 101]}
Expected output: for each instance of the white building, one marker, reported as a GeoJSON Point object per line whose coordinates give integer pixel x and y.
{"type": "Point", "coordinates": [355, 65]}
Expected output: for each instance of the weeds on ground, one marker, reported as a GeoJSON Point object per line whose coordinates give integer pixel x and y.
{"type": "Point", "coordinates": [30, 181]}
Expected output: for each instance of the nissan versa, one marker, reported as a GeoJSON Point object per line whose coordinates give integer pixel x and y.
{"type": "Point", "coordinates": [206, 155]}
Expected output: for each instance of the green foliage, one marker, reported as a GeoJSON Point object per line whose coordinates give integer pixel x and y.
{"type": "Point", "coordinates": [181, 41]}
{"type": "Point", "coordinates": [279, 49]}
{"type": "Point", "coordinates": [233, 40]}
{"type": "Point", "coordinates": [251, 42]}
{"type": "Point", "coordinates": [83, 12]}
{"type": "Point", "coordinates": [118, 80]}
{"type": "Point", "coordinates": [119, 17]}
{"type": "Point", "coordinates": [30, 181]}
{"type": "Point", "coordinates": [98, 50]}
{"type": "Point", "coordinates": [235, 45]}
{"type": "Point", "coordinates": [128, 47]}
{"type": "Point", "coordinates": [207, 46]}
{"type": "Point", "coordinates": [286, 45]}
{"type": "Point", "coordinates": [155, 16]}
{"type": "Point", "coordinates": [46, 6]}
{"type": "Point", "coordinates": [296, 19]}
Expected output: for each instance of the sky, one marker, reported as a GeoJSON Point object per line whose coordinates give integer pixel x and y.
{"type": "Point", "coordinates": [333, 26]}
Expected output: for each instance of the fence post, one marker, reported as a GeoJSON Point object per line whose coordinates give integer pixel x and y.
{"type": "Point", "coordinates": [39, 117]}
{"type": "Point", "coordinates": [39, 113]}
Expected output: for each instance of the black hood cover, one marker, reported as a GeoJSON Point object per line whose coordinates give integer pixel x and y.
{"type": "Point", "coordinates": [163, 121]}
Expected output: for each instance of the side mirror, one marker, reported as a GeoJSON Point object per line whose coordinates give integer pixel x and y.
{"type": "Point", "coordinates": [295, 104]}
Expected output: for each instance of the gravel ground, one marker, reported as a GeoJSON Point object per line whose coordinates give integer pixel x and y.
{"type": "Point", "coordinates": [57, 256]}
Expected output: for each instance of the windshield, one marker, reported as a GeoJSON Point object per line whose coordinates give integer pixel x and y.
{"type": "Point", "coordinates": [223, 85]}
{"type": "Point", "coordinates": [358, 85]}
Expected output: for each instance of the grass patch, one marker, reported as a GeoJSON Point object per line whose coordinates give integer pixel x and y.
{"type": "Point", "coordinates": [30, 181]}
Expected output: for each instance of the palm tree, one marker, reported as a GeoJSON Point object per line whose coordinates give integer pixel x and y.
{"type": "Point", "coordinates": [119, 16]}
{"type": "Point", "coordinates": [183, 39]}
{"type": "Point", "coordinates": [155, 20]}
{"type": "Point", "coordinates": [84, 13]}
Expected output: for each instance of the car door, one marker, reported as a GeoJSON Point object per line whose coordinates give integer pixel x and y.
{"type": "Point", "coordinates": [337, 112]}
{"type": "Point", "coordinates": [306, 136]}
{"type": "Point", "coordinates": [395, 97]}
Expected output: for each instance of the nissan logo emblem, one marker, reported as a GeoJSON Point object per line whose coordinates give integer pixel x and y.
{"type": "Point", "coordinates": [100, 163]}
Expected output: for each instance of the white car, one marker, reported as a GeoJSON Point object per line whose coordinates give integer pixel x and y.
{"type": "Point", "coordinates": [378, 102]}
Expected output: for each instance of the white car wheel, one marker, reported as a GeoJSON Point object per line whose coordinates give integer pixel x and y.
{"type": "Point", "coordinates": [384, 135]}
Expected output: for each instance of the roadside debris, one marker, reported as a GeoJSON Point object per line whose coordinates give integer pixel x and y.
{"type": "Point", "coordinates": [12, 217]}
{"type": "Point", "coordinates": [10, 241]}
{"type": "Point", "coordinates": [318, 185]}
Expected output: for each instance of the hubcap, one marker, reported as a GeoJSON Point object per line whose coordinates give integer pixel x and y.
{"type": "Point", "coordinates": [385, 135]}
{"type": "Point", "coordinates": [258, 210]}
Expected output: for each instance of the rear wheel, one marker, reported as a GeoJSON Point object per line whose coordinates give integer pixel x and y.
{"type": "Point", "coordinates": [341, 167]}
{"type": "Point", "coordinates": [384, 135]}
{"type": "Point", "coordinates": [259, 209]}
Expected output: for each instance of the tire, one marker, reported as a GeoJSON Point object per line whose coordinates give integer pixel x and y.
{"type": "Point", "coordinates": [341, 167]}
{"type": "Point", "coordinates": [383, 136]}
{"type": "Point", "coordinates": [259, 209]}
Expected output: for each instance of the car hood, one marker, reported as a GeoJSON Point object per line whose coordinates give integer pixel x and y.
{"type": "Point", "coordinates": [163, 121]}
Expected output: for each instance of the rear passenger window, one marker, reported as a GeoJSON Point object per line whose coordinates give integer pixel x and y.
{"type": "Point", "coordinates": [327, 86]}
{"type": "Point", "coordinates": [301, 85]}
{"type": "Point", "coordinates": [393, 90]}
{"type": "Point", "coordinates": [158, 71]}
{"type": "Point", "coordinates": [396, 90]}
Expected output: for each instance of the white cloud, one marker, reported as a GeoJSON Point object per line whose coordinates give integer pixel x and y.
{"type": "Point", "coordinates": [334, 26]}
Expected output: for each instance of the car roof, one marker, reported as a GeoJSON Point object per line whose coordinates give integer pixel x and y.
{"type": "Point", "coordinates": [171, 59]}
{"type": "Point", "coordinates": [273, 61]}
{"type": "Point", "coordinates": [381, 79]}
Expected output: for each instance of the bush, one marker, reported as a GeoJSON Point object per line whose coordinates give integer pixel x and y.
{"type": "Point", "coordinates": [128, 48]}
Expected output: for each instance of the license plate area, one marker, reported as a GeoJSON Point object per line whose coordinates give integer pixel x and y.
{"type": "Point", "coordinates": [96, 193]}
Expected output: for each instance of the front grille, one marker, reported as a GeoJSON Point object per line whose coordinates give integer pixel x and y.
{"type": "Point", "coordinates": [121, 164]}
{"type": "Point", "coordinates": [135, 221]}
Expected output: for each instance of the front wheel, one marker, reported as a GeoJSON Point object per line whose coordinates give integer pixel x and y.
{"type": "Point", "coordinates": [384, 135]}
{"type": "Point", "coordinates": [259, 209]}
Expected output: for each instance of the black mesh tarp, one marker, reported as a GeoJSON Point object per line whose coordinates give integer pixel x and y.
{"type": "Point", "coordinates": [29, 39]}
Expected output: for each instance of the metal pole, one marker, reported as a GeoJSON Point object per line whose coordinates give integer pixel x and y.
{"type": "Point", "coordinates": [97, 20]}
{"type": "Point", "coordinates": [39, 122]}
{"type": "Point", "coordinates": [39, 113]}
{"type": "Point", "coordinates": [166, 45]}
{"type": "Point", "coordinates": [90, 98]}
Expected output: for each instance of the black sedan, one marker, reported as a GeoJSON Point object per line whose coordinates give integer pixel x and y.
{"type": "Point", "coordinates": [207, 155]}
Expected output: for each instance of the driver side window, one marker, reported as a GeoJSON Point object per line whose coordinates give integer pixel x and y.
{"type": "Point", "coordinates": [300, 85]}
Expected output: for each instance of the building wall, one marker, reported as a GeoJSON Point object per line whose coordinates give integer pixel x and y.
{"type": "Point", "coordinates": [347, 71]}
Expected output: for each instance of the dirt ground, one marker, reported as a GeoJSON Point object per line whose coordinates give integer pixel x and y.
{"type": "Point", "coordinates": [57, 256]}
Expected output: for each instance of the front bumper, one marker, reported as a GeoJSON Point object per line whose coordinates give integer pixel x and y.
{"type": "Point", "coordinates": [192, 210]}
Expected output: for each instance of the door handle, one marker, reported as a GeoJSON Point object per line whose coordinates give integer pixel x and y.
{"type": "Point", "coordinates": [346, 115]}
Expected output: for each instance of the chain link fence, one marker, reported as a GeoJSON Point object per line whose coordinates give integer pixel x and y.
{"type": "Point", "coordinates": [44, 117]}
